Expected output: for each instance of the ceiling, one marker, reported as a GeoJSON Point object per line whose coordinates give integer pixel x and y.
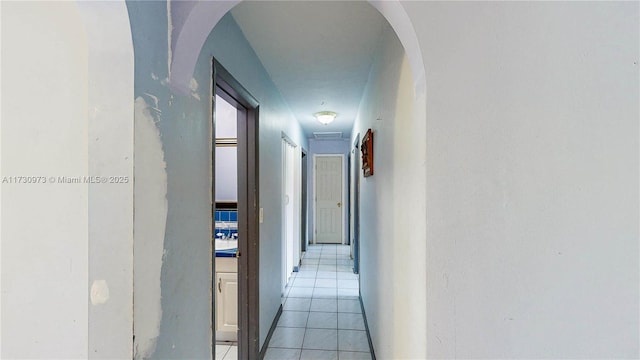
{"type": "Point", "coordinates": [318, 53]}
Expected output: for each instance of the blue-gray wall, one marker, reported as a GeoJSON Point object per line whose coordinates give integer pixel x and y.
{"type": "Point", "coordinates": [326, 147]}
{"type": "Point", "coordinates": [228, 45]}
{"type": "Point", "coordinates": [184, 126]}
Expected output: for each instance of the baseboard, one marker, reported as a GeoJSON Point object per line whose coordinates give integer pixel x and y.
{"type": "Point", "coordinates": [263, 351]}
{"type": "Point", "coordinates": [366, 326]}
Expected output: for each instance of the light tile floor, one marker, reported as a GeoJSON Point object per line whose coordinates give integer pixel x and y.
{"type": "Point", "coordinates": [226, 351]}
{"type": "Point", "coordinates": [321, 317]}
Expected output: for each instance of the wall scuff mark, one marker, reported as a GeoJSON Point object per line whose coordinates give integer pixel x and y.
{"type": "Point", "coordinates": [193, 86]}
{"type": "Point", "coordinates": [99, 292]}
{"type": "Point", "coordinates": [150, 217]}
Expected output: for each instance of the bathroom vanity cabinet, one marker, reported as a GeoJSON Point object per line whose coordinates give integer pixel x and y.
{"type": "Point", "coordinates": [226, 288]}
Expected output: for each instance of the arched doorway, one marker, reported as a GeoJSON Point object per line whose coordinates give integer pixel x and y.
{"type": "Point", "coordinates": [192, 31]}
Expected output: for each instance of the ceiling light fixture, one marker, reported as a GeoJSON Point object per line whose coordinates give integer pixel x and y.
{"type": "Point", "coordinates": [325, 117]}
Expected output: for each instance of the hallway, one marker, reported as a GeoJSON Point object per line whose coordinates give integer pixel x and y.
{"type": "Point", "coordinates": [501, 221]}
{"type": "Point", "coordinates": [321, 317]}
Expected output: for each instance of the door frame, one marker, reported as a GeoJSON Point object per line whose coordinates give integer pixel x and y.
{"type": "Point", "coordinates": [225, 85]}
{"type": "Point", "coordinates": [295, 204]}
{"type": "Point", "coordinates": [355, 206]}
{"type": "Point", "coordinates": [315, 202]}
{"type": "Point", "coordinates": [303, 202]}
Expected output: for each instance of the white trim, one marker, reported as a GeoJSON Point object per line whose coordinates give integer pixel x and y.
{"type": "Point", "coordinates": [313, 198]}
{"type": "Point", "coordinates": [315, 205]}
{"type": "Point", "coordinates": [286, 138]}
{"type": "Point", "coordinates": [297, 210]}
{"type": "Point", "coordinates": [344, 199]}
{"type": "Point", "coordinates": [294, 200]}
{"type": "Point", "coordinates": [283, 218]}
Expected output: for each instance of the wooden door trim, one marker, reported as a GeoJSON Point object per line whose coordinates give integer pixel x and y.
{"type": "Point", "coordinates": [315, 202]}
{"type": "Point", "coordinates": [248, 196]}
{"type": "Point", "coordinates": [304, 175]}
{"type": "Point", "coordinates": [356, 206]}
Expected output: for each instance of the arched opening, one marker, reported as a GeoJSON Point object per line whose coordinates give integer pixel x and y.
{"type": "Point", "coordinates": [529, 177]}
{"type": "Point", "coordinates": [185, 77]}
{"type": "Point", "coordinates": [203, 17]}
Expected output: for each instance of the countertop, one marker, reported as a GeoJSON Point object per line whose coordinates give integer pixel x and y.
{"type": "Point", "coordinates": [227, 252]}
{"type": "Point", "coordinates": [226, 248]}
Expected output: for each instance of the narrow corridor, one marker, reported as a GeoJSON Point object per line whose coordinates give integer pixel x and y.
{"type": "Point", "coordinates": [321, 317]}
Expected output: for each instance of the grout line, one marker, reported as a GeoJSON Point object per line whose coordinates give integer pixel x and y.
{"type": "Point", "coordinates": [226, 353]}
{"type": "Point", "coordinates": [327, 253]}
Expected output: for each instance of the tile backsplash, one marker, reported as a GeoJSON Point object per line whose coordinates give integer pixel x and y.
{"type": "Point", "coordinates": [227, 215]}
{"type": "Point", "coordinates": [226, 224]}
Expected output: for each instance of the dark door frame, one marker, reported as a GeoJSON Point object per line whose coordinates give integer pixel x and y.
{"type": "Point", "coordinates": [348, 198]}
{"type": "Point", "coordinates": [356, 204]}
{"type": "Point", "coordinates": [303, 212]}
{"type": "Point", "coordinates": [227, 87]}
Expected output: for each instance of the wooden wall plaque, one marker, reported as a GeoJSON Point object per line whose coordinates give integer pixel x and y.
{"type": "Point", "coordinates": [367, 153]}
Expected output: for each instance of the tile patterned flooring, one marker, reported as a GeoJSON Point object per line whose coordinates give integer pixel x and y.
{"type": "Point", "coordinates": [321, 317]}
{"type": "Point", "coordinates": [226, 352]}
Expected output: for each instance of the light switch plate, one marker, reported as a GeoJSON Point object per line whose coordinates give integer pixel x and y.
{"type": "Point", "coordinates": [261, 215]}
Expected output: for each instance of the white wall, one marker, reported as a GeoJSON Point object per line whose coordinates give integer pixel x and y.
{"type": "Point", "coordinates": [392, 229]}
{"type": "Point", "coordinates": [532, 187]}
{"type": "Point", "coordinates": [44, 232]}
{"type": "Point", "coordinates": [110, 133]}
{"type": "Point", "coordinates": [66, 247]}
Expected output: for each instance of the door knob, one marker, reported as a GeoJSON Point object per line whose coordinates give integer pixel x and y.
{"type": "Point", "coordinates": [339, 204]}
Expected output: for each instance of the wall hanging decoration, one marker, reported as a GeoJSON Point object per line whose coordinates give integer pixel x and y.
{"type": "Point", "coordinates": [367, 153]}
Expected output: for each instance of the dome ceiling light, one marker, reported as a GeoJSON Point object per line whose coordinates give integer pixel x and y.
{"type": "Point", "coordinates": [325, 117]}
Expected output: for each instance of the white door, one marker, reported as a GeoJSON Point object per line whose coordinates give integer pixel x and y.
{"type": "Point", "coordinates": [291, 162]}
{"type": "Point", "coordinates": [329, 207]}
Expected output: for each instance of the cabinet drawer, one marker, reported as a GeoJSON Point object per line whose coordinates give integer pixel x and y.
{"type": "Point", "coordinates": [226, 265]}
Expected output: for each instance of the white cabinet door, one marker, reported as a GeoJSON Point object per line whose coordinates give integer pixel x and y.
{"type": "Point", "coordinates": [227, 301]}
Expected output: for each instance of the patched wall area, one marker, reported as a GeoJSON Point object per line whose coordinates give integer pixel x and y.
{"type": "Point", "coordinates": [173, 132]}
{"type": "Point", "coordinates": [172, 266]}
